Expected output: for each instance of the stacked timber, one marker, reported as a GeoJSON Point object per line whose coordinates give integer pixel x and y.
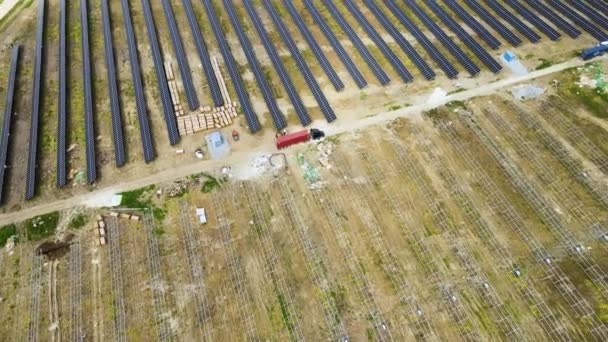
{"type": "Point", "coordinates": [177, 105]}
{"type": "Point", "coordinates": [101, 230]}
{"type": "Point", "coordinates": [220, 80]}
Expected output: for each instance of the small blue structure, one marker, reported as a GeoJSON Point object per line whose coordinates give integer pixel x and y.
{"type": "Point", "coordinates": [218, 145]}
{"type": "Point", "coordinates": [595, 51]}
{"type": "Point", "coordinates": [509, 56]}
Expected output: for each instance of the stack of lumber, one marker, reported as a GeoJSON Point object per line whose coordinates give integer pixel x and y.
{"type": "Point", "coordinates": [177, 105]}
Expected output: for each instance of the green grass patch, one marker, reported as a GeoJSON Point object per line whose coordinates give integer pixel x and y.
{"type": "Point", "coordinates": [138, 198]}
{"type": "Point", "coordinates": [211, 183]}
{"type": "Point", "coordinates": [41, 227]}
{"type": "Point", "coordinates": [6, 232]}
{"type": "Point", "coordinates": [78, 221]}
{"type": "Point", "coordinates": [544, 63]}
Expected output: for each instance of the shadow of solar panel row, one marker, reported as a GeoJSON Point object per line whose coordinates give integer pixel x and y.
{"type": "Point", "coordinates": [493, 22]}
{"type": "Point", "coordinates": [254, 64]}
{"type": "Point", "coordinates": [182, 60]}
{"type": "Point", "coordinates": [579, 20]}
{"type": "Point", "coordinates": [292, 92]}
{"type": "Point", "coordinates": [591, 13]}
{"type": "Point", "coordinates": [203, 54]}
{"type": "Point", "coordinates": [468, 64]}
{"type": "Point", "coordinates": [337, 46]}
{"type": "Point", "coordinates": [314, 46]}
{"type": "Point", "coordinates": [117, 134]}
{"type": "Point", "coordinates": [354, 38]}
{"type": "Point", "coordinates": [558, 21]}
{"type": "Point", "coordinates": [30, 177]}
{"type": "Point", "coordinates": [161, 77]}
{"type": "Point", "coordinates": [437, 56]}
{"type": "Point", "coordinates": [380, 43]}
{"type": "Point", "coordinates": [237, 81]}
{"type": "Point", "coordinates": [89, 125]}
{"type": "Point", "coordinates": [513, 20]}
{"type": "Point", "coordinates": [534, 19]}
{"type": "Point", "coordinates": [424, 68]}
{"type": "Point", "coordinates": [473, 45]}
{"type": "Point", "coordinates": [8, 115]}
{"type": "Point", "coordinates": [140, 101]}
{"type": "Point", "coordinates": [473, 24]}
{"type": "Point", "coordinates": [326, 109]}
{"type": "Point", "coordinates": [600, 5]}
{"type": "Point", "coordinates": [62, 165]}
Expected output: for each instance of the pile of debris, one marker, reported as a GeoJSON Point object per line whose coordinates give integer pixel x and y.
{"type": "Point", "coordinates": [311, 174]}
{"type": "Point", "coordinates": [592, 76]}
{"type": "Point", "coordinates": [177, 189]}
{"type": "Point", "coordinates": [325, 149]}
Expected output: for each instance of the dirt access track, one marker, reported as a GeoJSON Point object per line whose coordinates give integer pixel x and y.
{"type": "Point", "coordinates": [242, 158]}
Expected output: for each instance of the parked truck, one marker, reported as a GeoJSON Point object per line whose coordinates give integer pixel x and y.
{"type": "Point", "coordinates": [595, 51]}
{"type": "Point", "coordinates": [289, 139]}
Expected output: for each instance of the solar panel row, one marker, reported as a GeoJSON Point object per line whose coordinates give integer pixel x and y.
{"type": "Point", "coordinates": [493, 22]}
{"type": "Point", "coordinates": [62, 165]}
{"type": "Point", "coordinates": [513, 20]}
{"type": "Point", "coordinates": [89, 125]}
{"type": "Point", "coordinates": [591, 13]}
{"type": "Point", "coordinates": [426, 70]}
{"type": "Point", "coordinates": [237, 81]}
{"type": "Point", "coordinates": [600, 5]}
{"type": "Point", "coordinates": [182, 60]}
{"type": "Point", "coordinates": [481, 31]}
{"type": "Point", "coordinates": [292, 92]}
{"type": "Point", "coordinates": [380, 43]}
{"type": "Point", "coordinates": [354, 38]}
{"type": "Point", "coordinates": [534, 19]}
{"type": "Point", "coordinates": [30, 177]}
{"type": "Point", "coordinates": [437, 56]}
{"type": "Point", "coordinates": [314, 46]}
{"type": "Point", "coordinates": [558, 21]}
{"type": "Point", "coordinates": [326, 109]}
{"type": "Point", "coordinates": [203, 54]}
{"type": "Point", "coordinates": [335, 43]}
{"type": "Point", "coordinates": [8, 115]}
{"type": "Point", "coordinates": [579, 20]}
{"type": "Point", "coordinates": [140, 101]}
{"type": "Point", "coordinates": [256, 68]}
{"type": "Point", "coordinates": [161, 77]}
{"type": "Point", "coordinates": [117, 134]}
{"type": "Point", "coordinates": [443, 38]}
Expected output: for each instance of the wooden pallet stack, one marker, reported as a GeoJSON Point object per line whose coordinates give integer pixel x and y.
{"type": "Point", "coordinates": [177, 105]}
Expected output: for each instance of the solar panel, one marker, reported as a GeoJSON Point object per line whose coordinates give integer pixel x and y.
{"type": "Point", "coordinates": [62, 165]}
{"type": "Point", "coordinates": [314, 46]}
{"type": "Point", "coordinates": [203, 54]}
{"type": "Point", "coordinates": [239, 86]}
{"type": "Point", "coordinates": [354, 38]}
{"type": "Point", "coordinates": [600, 5]}
{"type": "Point", "coordinates": [326, 109]}
{"type": "Point", "coordinates": [8, 115]}
{"type": "Point", "coordinates": [473, 23]}
{"type": "Point", "coordinates": [89, 125]}
{"type": "Point", "coordinates": [292, 92]}
{"type": "Point", "coordinates": [443, 38]}
{"type": "Point", "coordinates": [182, 60]}
{"type": "Point", "coordinates": [473, 45]}
{"type": "Point", "coordinates": [437, 56]}
{"type": "Point", "coordinates": [380, 43]}
{"type": "Point", "coordinates": [30, 178]}
{"type": "Point", "coordinates": [579, 20]}
{"type": "Point", "coordinates": [513, 20]}
{"type": "Point", "coordinates": [558, 21]}
{"type": "Point", "coordinates": [161, 77]}
{"type": "Point", "coordinates": [534, 19]}
{"type": "Point", "coordinates": [140, 101]}
{"type": "Point", "coordinates": [591, 13]}
{"type": "Point", "coordinates": [117, 134]}
{"type": "Point", "coordinates": [496, 24]}
{"type": "Point", "coordinates": [335, 43]}
{"type": "Point", "coordinates": [256, 68]}
{"type": "Point", "coordinates": [424, 68]}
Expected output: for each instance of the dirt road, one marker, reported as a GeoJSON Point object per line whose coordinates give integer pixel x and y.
{"type": "Point", "coordinates": [6, 6]}
{"type": "Point", "coordinates": [242, 159]}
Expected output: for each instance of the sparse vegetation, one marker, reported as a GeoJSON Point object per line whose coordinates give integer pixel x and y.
{"type": "Point", "coordinates": [41, 227]}
{"type": "Point", "coordinates": [6, 232]}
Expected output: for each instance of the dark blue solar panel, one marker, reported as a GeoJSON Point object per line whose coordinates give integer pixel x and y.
{"type": "Point", "coordinates": [437, 56]}
{"type": "Point", "coordinates": [579, 20]}
{"type": "Point", "coordinates": [496, 24]}
{"type": "Point", "coordinates": [558, 21]}
{"type": "Point", "coordinates": [237, 81]}
{"type": "Point", "coordinates": [256, 68]}
{"type": "Point", "coordinates": [591, 13]}
{"type": "Point", "coordinates": [62, 165]}
{"type": "Point", "coordinates": [534, 19]}
{"type": "Point", "coordinates": [513, 20]}
{"type": "Point", "coordinates": [335, 43]}
{"type": "Point", "coordinates": [600, 5]}
{"type": "Point", "coordinates": [326, 109]}
{"type": "Point", "coordinates": [473, 23]}
{"type": "Point", "coordinates": [354, 38]}
{"type": "Point", "coordinates": [140, 101]}
{"type": "Point", "coordinates": [89, 124]}
{"type": "Point", "coordinates": [8, 115]}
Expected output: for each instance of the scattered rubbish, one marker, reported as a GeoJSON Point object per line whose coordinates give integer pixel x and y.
{"type": "Point", "coordinates": [199, 154]}
{"type": "Point", "coordinates": [202, 215]}
{"type": "Point", "coordinates": [525, 92]}
{"type": "Point", "coordinates": [325, 149]}
{"type": "Point", "coordinates": [311, 174]}
{"type": "Point", "coordinates": [592, 76]}
{"type": "Point", "coordinates": [179, 151]}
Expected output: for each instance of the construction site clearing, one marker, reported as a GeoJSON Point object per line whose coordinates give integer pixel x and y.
{"type": "Point", "coordinates": [478, 220]}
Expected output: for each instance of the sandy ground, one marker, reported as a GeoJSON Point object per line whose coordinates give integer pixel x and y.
{"type": "Point", "coordinates": [242, 158]}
